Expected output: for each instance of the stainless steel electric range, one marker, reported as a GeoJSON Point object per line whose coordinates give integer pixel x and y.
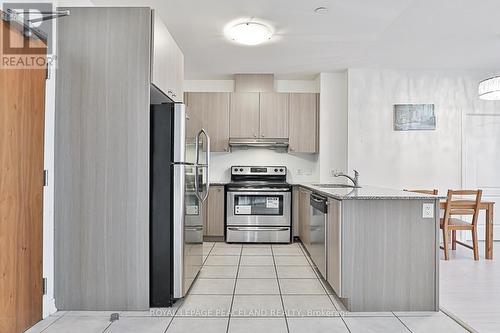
{"type": "Point", "coordinates": [258, 205]}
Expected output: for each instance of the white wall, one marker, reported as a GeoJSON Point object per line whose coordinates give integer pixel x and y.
{"type": "Point", "coordinates": [302, 167]}
{"type": "Point", "coordinates": [409, 159]}
{"type": "Point", "coordinates": [333, 125]}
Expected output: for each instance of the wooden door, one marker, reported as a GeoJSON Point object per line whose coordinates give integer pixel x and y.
{"type": "Point", "coordinates": [213, 108]}
{"type": "Point", "coordinates": [274, 115]}
{"type": "Point", "coordinates": [303, 123]}
{"type": "Point", "coordinates": [216, 211]}
{"type": "Point", "coordinates": [244, 117]}
{"type": "Point", "coordinates": [22, 107]}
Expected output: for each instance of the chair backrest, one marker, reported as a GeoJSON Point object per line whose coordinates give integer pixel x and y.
{"type": "Point", "coordinates": [433, 192]}
{"type": "Point", "coordinates": [463, 202]}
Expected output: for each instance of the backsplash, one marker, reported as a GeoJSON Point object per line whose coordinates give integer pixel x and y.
{"type": "Point", "coordinates": [301, 167]}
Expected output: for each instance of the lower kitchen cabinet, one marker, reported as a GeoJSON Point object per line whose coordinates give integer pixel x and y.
{"type": "Point", "coordinates": [214, 212]}
{"type": "Point", "coordinates": [334, 248]}
{"type": "Point", "coordinates": [304, 216]}
{"type": "Point", "coordinates": [295, 211]}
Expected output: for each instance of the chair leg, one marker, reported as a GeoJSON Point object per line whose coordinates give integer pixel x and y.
{"type": "Point", "coordinates": [474, 244]}
{"type": "Point", "coordinates": [453, 239]}
{"type": "Point", "coordinates": [446, 240]}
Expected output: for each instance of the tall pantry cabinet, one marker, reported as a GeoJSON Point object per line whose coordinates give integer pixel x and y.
{"type": "Point", "coordinates": [107, 60]}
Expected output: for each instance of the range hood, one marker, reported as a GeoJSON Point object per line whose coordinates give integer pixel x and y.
{"type": "Point", "coordinates": [263, 143]}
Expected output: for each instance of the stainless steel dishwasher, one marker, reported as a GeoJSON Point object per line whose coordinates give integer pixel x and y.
{"type": "Point", "coordinates": [317, 231]}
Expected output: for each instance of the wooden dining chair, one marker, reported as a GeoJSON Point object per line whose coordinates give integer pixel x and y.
{"type": "Point", "coordinates": [433, 192]}
{"type": "Point", "coordinates": [460, 203]}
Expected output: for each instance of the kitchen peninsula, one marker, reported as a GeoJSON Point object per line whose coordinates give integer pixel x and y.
{"type": "Point", "coordinates": [381, 245]}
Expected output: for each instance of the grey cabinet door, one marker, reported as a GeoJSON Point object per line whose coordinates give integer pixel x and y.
{"type": "Point", "coordinates": [274, 115]}
{"type": "Point", "coordinates": [167, 68]}
{"type": "Point", "coordinates": [102, 159]}
{"type": "Point", "coordinates": [295, 211]}
{"type": "Point", "coordinates": [334, 245]}
{"type": "Point", "coordinates": [305, 217]}
{"type": "Point", "coordinates": [244, 116]}
{"type": "Point", "coordinates": [215, 209]}
{"type": "Point", "coordinates": [304, 123]}
{"type": "Point", "coordinates": [213, 110]}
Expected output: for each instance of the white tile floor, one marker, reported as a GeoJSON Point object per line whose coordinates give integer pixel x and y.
{"type": "Point", "coordinates": [470, 290]}
{"type": "Point", "coordinates": [252, 288]}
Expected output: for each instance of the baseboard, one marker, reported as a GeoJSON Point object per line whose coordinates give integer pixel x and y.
{"type": "Point", "coordinates": [213, 238]}
{"type": "Point", "coordinates": [49, 306]}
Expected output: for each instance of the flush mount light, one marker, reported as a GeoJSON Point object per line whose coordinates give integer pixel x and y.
{"type": "Point", "coordinates": [250, 33]}
{"type": "Point", "coordinates": [489, 89]}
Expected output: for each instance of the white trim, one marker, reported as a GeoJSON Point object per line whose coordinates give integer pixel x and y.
{"type": "Point", "coordinates": [49, 306]}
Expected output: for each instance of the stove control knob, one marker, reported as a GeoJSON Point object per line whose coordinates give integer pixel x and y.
{"type": "Point", "coordinates": [275, 170]}
{"type": "Point", "coordinates": [235, 169]}
{"type": "Point", "coordinates": [241, 169]}
{"type": "Point", "coordinates": [281, 170]}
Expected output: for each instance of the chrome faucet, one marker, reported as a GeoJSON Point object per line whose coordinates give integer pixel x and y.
{"type": "Point", "coordinates": [354, 180]}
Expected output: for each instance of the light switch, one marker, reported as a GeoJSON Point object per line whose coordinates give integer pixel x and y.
{"type": "Point", "coordinates": [428, 210]}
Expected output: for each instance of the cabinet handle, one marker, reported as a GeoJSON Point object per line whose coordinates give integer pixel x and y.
{"type": "Point", "coordinates": [262, 134]}
{"type": "Point", "coordinates": [254, 135]}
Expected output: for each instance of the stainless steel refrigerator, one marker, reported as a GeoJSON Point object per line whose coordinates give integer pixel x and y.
{"type": "Point", "coordinates": [179, 183]}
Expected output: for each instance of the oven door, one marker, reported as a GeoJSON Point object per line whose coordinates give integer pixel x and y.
{"type": "Point", "coordinates": [258, 208]}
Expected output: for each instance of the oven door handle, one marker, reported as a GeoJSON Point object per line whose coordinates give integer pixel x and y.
{"type": "Point", "coordinates": [258, 228]}
{"type": "Point", "coordinates": [260, 189]}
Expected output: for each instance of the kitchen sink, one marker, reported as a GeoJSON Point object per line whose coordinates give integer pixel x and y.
{"type": "Point", "coordinates": [335, 186]}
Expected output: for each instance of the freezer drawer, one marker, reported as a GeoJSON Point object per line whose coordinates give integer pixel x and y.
{"type": "Point", "coordinates": [258, 234]}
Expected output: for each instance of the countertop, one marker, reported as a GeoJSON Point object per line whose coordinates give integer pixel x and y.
{"type": "Point", "coordinates": [363, 193]}
{"type": "Point", "coordinates": [367, 193]}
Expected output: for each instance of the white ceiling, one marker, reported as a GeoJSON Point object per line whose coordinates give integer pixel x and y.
{"type": "Point", "coordinates": [413, 34]}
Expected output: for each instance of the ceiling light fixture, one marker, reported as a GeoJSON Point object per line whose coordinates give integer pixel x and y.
{"type": "Point", "coordinates": [250, 33]}
{"type": "Point", "coordinates": [489, 89]}
{"type": "Point", "coordinates": [321, 10]}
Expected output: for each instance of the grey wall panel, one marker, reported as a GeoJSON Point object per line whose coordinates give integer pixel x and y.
{"type": "Point", "coordinates": [102, 159]}
{"type": "Point", "coordinates": [389, 260]}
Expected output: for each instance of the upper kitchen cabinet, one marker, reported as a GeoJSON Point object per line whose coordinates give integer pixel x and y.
{"type": "Point", "coordinates": [167, 65]}
{"type": "Point", "coordinates": [244, 117]}
{"type": "Point", "coordinates": [274, 115]}
{"type": "Point", "coordinates": [213, 110]}
{"type": "Point", "coordinates": [303, 135]}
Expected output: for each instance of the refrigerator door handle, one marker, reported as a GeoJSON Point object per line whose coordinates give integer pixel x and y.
{"type": "Point", "coordinates": [196, 175]}
{"type": "Point", "coordinates": [206, 165]}
{"type": "Point", "coordinates": [207, 159]}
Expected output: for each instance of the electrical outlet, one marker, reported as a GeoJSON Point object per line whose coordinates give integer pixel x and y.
{"type": "Point", "coordinates": [428, 210]}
